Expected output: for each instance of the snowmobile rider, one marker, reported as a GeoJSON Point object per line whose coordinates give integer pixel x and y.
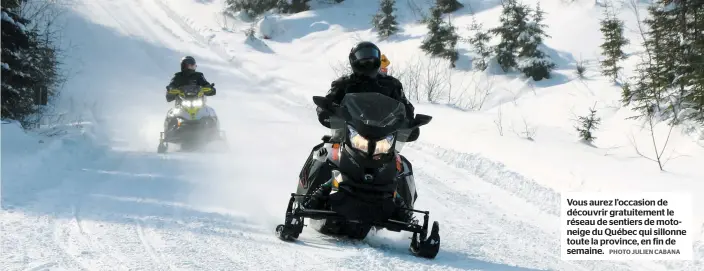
{"type": "Point", "coordinates": [365, 61]}
{"type": "Point", "coordinates": [188, 75]}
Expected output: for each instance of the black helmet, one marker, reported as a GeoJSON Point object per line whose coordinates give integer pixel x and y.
{"type": "Point", "coordinates": [365, 59]}
{"type": "Point", "coordinates": [187, 60]}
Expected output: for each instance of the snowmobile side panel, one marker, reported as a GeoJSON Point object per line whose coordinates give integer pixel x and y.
{"type": "Point", "coordinates": [317, 169]}
{"type": "Point", "coordinates": [407, 185]}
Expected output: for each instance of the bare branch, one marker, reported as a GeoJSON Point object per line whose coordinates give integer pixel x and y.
{"type": "Point", "coordinates": [435, 79]}
{"type": "Point", "coordinates": [410, 77]}
{"type": "Point", "coordinates": [499, 121]}
{"type": "Point", "coordinates": [340, 68]}
{"type": "Point", "coordinates": [641, 30]}
{"type": "Point", "coordinates": [481, 90]}
{"type": "Point", "coordinates": [635, 147]}
{"type": "Point", "coordinates": [658, 151]}
{"type": "Point", "coordinates": [418, 12]}
{"type": "Point", "coordinates": [528, 131]}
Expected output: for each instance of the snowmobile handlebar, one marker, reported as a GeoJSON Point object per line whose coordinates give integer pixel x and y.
{"type": "Point", "coordinates": [203, 90]}
{"type": "Point", "coordinates": [325, 104]}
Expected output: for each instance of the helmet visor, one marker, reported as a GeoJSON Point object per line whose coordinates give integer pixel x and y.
{"type": "Point", "coordinates": [367, 53]}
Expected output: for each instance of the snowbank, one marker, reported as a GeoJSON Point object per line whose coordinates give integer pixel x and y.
{"type": "Point", "coordinates": [33, 161]}
{"type": "Point", "coordinates": [268, 27]}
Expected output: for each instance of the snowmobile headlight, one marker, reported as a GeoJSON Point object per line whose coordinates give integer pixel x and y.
{"type": "Point", "coordinates": [384, 145]}
{"type": "Point", "coordinates": [192, 103]}
{"type": "Point", "coordinates": [358, 141]}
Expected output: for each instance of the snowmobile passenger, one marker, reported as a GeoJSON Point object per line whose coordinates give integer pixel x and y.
{"type": "Point", "coordinates": [365, 61]}
{"type": "Point", "coordinates": [188, 75]}
{"type": "Point", "coordinates": [384, 64]}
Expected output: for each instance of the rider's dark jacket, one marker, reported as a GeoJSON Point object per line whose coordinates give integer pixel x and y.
{"type": "Point", "coordinates": [187, 77]}
{"type": "Point", "coordinates": [384, 84]}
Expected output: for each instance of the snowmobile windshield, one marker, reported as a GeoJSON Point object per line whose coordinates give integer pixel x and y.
{"type": "Point", "coordinates": [373, 115]}
{"type": "Point", "coordinates": [191, 90]}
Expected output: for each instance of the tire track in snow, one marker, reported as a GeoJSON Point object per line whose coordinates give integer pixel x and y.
{"type": "Point", "coordinates": [214, 47]}
{"type": "Point", "coordinates": [116, 245]}
{"type": "Point", "coordinates": [475, 226]}
{"type": "Point", "coordinates": [472, 225]}
{"type": "Point", "coordinates": [137, 225]}
{"type": "Point", "coordinates": [497, 174]}
{"type": "Point", "coordinates": [61, 238]}
{"type": "Point", "coordinates": [52, 230]}
{"type": "Point", "coordinates": [121, 25]}
{"type": "Point", "coordinates": [44, 266]}
{"type": "Point", "coordinates": [92, 249]}
{"type": "Point", "coordinates": [188, 249]}
{"type": "Point", "coordinates": [495, 177]}
{"type": "Point", "coordinates": [180, 247]}
{"type": "Point", "coordinates": [149, 248]}
{"type": "Point", "coordinates": [192, 32]}
{"type": "Point", "coordinates": [83, 235]}
{"type": "Point", "coordinates": [43, 246]}
{"type": "Point", "coordinates": [71, 232]}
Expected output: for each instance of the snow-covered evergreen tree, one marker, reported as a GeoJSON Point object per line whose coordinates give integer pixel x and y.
{"type": "Point", "coordinates": [670, 77]}
{"type": "Point", "coordinates": [293, 6]}
{"type": "Point", "coordinates": [612, 48]}
{"type": "Point", "coordinates": [433, 43]}
{"type": "Point", "coordinates": [587, 124]}
{"type": "Point", "coordinates": [254, 8]}
{"type": "Point", "coordinates": [385, 21]}
{"type": "Point", "coordinates": [448, 6]}
{"type": "Point", "coordinates": [513, 22]}
{"type": "Point", "coordinates": [685, 23]}
{"type": "Point", "coordinates": [531, 60]}
{"type": "Point", "coordinates": [451, 39]}
{"type": "Point", "coordinates": [656, 73]}
{"type": "Point", "coordinates": [479, 40]}
{"type": "Point", "coordinates": [29, 66]}
{"type": "Point", "coordinates": [441, 39]}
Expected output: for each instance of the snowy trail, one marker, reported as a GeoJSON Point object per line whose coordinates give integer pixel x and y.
{"type": "Point", "coordinates": [129, 208]}
{"type": "Point", "coordinates": [145, 211]}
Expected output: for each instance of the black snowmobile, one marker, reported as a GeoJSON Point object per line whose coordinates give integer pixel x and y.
{"type": "Point", "coordinates": [191, 122]}
{"type": "Point", "coordinates": [361, 166]}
